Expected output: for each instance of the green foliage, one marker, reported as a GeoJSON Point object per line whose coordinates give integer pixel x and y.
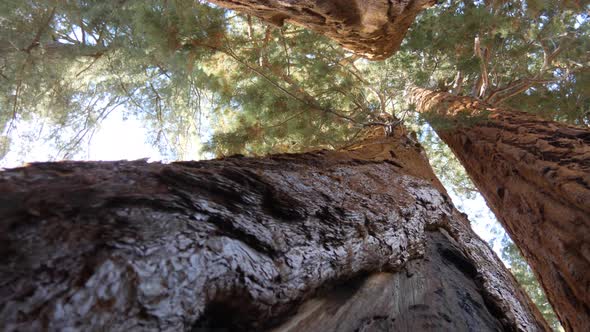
{"type": "Point", "coordinates": [535, 53]}
{"type": "Point", "coordinates": [523, 273]}
{"type": "Point", "coordinates": [73, 63]}
{"type": "Point", "coordinates": [181, 64]}
{"type": "Point", "coordinates": [463, 118]}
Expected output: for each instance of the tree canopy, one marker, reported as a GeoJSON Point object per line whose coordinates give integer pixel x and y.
{"type": "Point", "coordinates": [273, 89]}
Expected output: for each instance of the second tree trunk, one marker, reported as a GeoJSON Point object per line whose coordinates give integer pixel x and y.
{"type": "Point", "coordinates": [535, 176]}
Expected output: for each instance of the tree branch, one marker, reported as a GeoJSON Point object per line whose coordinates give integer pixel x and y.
{"type": "Point", "coordinates": [479, 90]}
{"type": "Point", "coordinates": [37, 39]}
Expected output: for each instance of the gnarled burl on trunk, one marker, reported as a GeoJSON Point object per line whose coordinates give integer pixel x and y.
{"type": "Point", "coordinates": [371, 28]}
{"type": "Point", "coordinates": [535, 176]}
{"type": "Point", "coordinates": [359, 239]}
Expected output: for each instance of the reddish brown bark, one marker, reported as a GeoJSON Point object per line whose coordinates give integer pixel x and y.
{"type": "Point", "coordinates": [371, 28]}
{"type": "Point", "coordinates": [535, 176]}
{"type": "Point", "coordinates": [362, 236]}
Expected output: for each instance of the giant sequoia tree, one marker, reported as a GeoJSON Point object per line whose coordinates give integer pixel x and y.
{"type": "Point", "coordinates": [362, 238]}
{"type": "Point", "coordinates": [535, 175]}
{"type": "Point", "coordinates": [533, 172]}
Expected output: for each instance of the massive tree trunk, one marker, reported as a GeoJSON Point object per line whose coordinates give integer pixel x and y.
{"type": "Point", "coordinates": [371, 28]}
{"type": "Point", "coordinates": [359, 239]}
{"type": "Point", "coordinates": [535, 176]}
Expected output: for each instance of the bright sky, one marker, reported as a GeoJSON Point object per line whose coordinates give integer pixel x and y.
{"type": "Point", "coordinates": [482, 219]}
{"type": "Point", "coordinates": [119, 139]}
{"type": "Point", "coordinates": [116, 139]}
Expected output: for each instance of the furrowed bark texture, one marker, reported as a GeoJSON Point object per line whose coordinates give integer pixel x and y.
{"type": "Point", "coordinates": [371, 28]}
{"type": "Point", "coordinates": [240, 243]}
{"type": "Point", "coordinates": [535, 176]}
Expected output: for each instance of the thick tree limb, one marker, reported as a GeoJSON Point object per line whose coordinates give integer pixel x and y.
{"type": "Point", "coordinates": [373, 28]}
